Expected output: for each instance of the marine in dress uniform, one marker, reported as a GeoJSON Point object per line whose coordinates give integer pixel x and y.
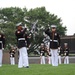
{"type": "Point", "coordinates": [59, 55]}
{"type": "Point", "coordinates": [23, 55]}
{"type": "Point", "coordinates": [48, 55]}
{"type": "Point", "coordinates": [66, 53]}
{"type": "Point", "coordinates": [12, 55]}
{"type": "Point", "coordinates": [54, 44]}
{"type": "Point", "coordinates": [2, 43]}
{"type": "Point", "coordinates": [42, 54]}
{"type": "Point", "coordinates": [46, 41]}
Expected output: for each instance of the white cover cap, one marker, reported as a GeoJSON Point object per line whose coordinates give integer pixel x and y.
{"type": "Point", "coordinates": [53, 26]}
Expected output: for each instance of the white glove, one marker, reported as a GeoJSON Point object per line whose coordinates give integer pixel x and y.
{"type": "Point", "coordinates": [2, 48]}
{"type": "Point", "coordinates": [27, 48]}
{"type": "Point", "coordinates": [58, 48]}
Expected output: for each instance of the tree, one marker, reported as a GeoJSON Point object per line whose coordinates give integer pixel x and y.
{"type": "Point", "coordinates": [45, 20]}
{"type": "Point", "coordinates": [9, 17]}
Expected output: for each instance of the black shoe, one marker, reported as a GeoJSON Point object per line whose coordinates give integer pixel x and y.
{"type": "Point", "coordinates": [27, 67]}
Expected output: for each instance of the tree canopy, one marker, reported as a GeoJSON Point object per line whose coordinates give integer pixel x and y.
{"type": "Point", "coordinates": [9, 17]}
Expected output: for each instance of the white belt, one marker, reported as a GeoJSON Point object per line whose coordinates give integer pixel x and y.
{"type": "Point", "coordinates": [0, 41]}
{"type": "Point", "coordinates": [21, 39]}
{"type": "Point", "coordinates": [54, 40]}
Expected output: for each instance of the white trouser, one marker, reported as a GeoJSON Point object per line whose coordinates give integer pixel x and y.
{"type": "Point", "coordinates": [59, 59]}
{"type": "Point", "coordinates": [49, 59]}
{"type": "Point", "coordinates": [12, 60]}
{"type": "Point", "coordinates": [23, 58]}
{"type": "Point", "coordinates": [66, 60]}
{"type": "Point", "coordinates": [54, 53]}
{"type": "Point", "coordinates": [42, 60]}
{"type": "Point", "coordinates": [1, 56]}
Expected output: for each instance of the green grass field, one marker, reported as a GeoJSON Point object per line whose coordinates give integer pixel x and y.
{"type": "Point", "coordinates": [37, 69]}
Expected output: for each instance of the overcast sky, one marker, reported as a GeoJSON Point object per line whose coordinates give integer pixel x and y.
{"type": "Point", "coordinates": [64, 9]}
